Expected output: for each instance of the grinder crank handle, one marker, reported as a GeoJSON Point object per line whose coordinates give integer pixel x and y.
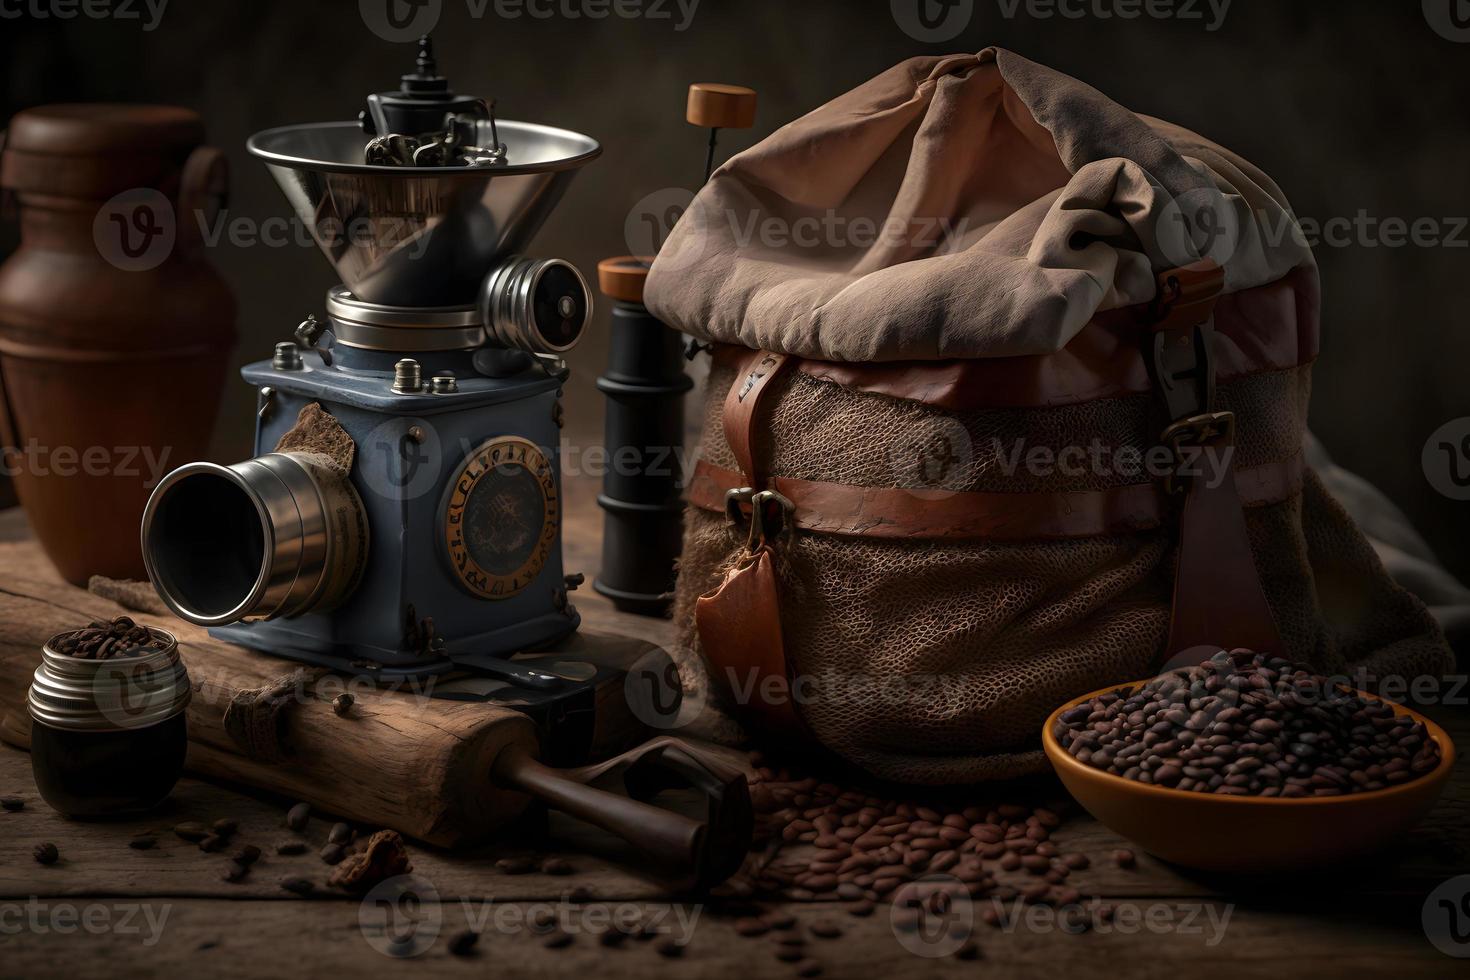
{"type": "Point", "coordinates": [665, 763]}
{"type": "Point", "coordinates": [698, 854]}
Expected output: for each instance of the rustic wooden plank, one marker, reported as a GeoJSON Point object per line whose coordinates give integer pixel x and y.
{"type": "Point", "coordinates": [252, 939]}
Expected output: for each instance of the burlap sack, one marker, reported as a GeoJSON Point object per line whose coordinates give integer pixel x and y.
{"type": "Point", "coordinates": [935, 660]}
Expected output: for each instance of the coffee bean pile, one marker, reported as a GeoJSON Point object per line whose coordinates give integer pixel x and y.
{"type": "Point", "coordinates": [1248, 724]}
{"type": "Point", "coordinates": [105, 640]}
{"type": "Point", "coordinates": [819, 842]}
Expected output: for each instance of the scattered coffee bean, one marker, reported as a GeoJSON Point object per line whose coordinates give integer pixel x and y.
{"type": "Point", "coordinates": [342, 704]}
{"type": "Point", "coordinates": [808, 968]}
{"type": "Point", "coordinates": [515, 866]}
{"type": "Point", "coordinates": [234, 871]}
{"type": "Point", "coordinates": [751, 927]}
{"type": "Point", "coordinates": [669, 948]}
{"type": "Point", "coordinates": [612, 936]}
{"type": "Point", "coordinates": [211, 843]}
{"type": "Point", "coordinates": [825, 930]}
{"type": "Point", "coordinates": [298, 816]}
{"type": "Point", "coordinates": [1124, 858]}
{"type": "Point", "coordinates": [333, 854]}
{"type": "Point", "coordinates": [968, 951]}
{"type": "Point", "coordinates": [298, 886]}
{"type": "Point", "coordinates": [226, 827]}
{"type": "Point", "coordinates": [340, 834]}
{"type": "Point", "coordinates": [1248, 724]}
{"type": "Point", "coordinates": [287, 848]}
{"type": "Point", "coordinates": [557, 866]}
{"type": "Point", "coordinates": [790, 954]}
{"type": "Point", "coordinates": [580, 895]}
{"type": "Point", "coordinates": [861, 909]}
{"type": "Point", "coordinates": [248, 855]}
{"type": "Point", "coordinates": [191, 831]}
{"type": "Point", "coordinates": [144, 843]}
{"type": "Point", "coordinates": [557, 940]}
{"type": "Point", "coordinates": [462, 943]}
{"type": "Point", "coordinates": [46, 853]}
{"type": "Point", "coordinates": [12, 804]}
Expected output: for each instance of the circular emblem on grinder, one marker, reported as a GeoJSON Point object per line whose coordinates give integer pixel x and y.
{"type": "Point", "coordinates": [501, 519]}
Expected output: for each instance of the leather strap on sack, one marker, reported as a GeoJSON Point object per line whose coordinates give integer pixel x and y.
{"type": "Point", "coordinates": [739, 622]}
{"type": "Point", "coordinates": [1218, 599]}
{"type": "Point", "coordinates": [757, 370]}
{"type": "Point", "coordinates": [973, 515]}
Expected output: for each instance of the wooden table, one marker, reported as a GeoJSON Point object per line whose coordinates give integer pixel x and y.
{"type": "Point", "coordinates": [106, 910]}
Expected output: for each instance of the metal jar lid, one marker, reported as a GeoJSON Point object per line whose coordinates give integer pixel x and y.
{"type": "Point", "coordinates": [112, 695]}
{"type": "Point", "coordinates": [373, 326]}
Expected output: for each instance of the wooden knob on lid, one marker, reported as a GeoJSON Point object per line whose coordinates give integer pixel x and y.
{"type": "Point", "coordinates": [713, 105]}
{"type": "Point", "coordinates": [622, 278]}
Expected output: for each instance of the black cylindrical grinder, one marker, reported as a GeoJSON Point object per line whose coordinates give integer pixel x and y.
{"type": "Point", "coordinates": [642, 490]}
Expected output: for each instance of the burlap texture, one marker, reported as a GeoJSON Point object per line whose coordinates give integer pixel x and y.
{"type": "Point", "coordinates": [936, 662]}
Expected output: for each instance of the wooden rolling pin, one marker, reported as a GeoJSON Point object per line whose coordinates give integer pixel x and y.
{"type": "Point", "coordinates": [448, 773]}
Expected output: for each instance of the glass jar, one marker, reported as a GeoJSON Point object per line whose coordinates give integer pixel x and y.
{"type": "Point", "coordinates": [108, 737]}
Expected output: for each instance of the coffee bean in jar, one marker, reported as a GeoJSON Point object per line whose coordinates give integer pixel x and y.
{"type": "Point", "coordinates": [1248, 724]}
{"type": "Point", "coordinates": [108, 735]}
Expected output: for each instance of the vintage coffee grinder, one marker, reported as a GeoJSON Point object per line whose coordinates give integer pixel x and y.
{"type": "Point", "coordinates": [409, 522]}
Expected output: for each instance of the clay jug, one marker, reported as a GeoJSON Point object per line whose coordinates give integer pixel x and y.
{"type": "Point", "coordinates": [114, 330]}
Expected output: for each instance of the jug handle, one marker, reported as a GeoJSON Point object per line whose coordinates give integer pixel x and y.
{"type": "Point", "coordinates": [204, 192]}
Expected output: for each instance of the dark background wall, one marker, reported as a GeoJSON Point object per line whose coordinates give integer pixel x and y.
{"type": "Point", "coordinates": [1351, 105]}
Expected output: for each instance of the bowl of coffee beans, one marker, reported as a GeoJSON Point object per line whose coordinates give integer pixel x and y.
{"type": "Point", "coordinates": [1248, 763]}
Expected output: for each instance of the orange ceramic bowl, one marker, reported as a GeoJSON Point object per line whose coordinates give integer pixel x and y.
{"type": "Point", "coordinates": [1248, 834]}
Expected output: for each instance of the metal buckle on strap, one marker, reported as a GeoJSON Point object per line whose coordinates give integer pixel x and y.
{"type": "Point", "coordinates": [1184, 370]}
{"type": "Point", "coordinates": [1190, 437]}
{"type": "Point", "coordinates": [770, 514]}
